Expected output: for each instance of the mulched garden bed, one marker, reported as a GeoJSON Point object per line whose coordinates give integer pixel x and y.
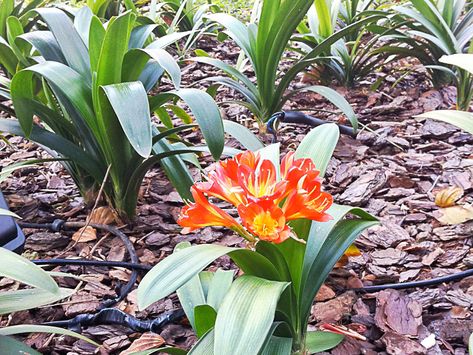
{"type": "Point", "coordinates": [393, 169]}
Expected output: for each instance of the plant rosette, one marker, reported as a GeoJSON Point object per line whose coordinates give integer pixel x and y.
{"type": "Point", "coordinates": [295, 235]}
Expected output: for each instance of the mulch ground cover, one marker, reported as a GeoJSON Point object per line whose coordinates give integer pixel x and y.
{"type": "Point", "coordinates": [393, 169]}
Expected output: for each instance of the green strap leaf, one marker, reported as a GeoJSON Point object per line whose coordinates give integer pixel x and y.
{"type": "Point", "coordinates": [114, 47]}
{"type": "Point", "coordinates": [278, 346]}
{"type": "Point", "coordinates": [27, 328]}
{"type": "Point", "coordinates": [191, 293]}
{"type": "Point", "coordinates": [317, 342]}
{"type": "Point", "coordinates": [130, 103]}
{"type": "Point", "coordinates": [175, 169]}
{"type": "Point", "coordinates": [4, 212]}
{"type": "Point", "coordinates": [20, 269]}
{"type": "Point", "coordinates": [463, 120]}
{"type": "Point", "coordinates": [82, 22]}
{"type": "Point", "coordinates": [319, 145]}
{"type": "Point", "coordinates": [241, 327]}
{"type": "Point", "coordinates": [336, 99]}
{"type": "Point", "coordinates": [205, 317]}
{"type": "Point", "coordinates": [73, 49]}
{"type": "Point", "coordinates": [243, 135]}
{"type": "Point", "coordinates": [14, 301]}
{"type": "Point", "coordinates": [461, 60]}
{"type": "Point", "coordinates": [136, 60]}
{"type": "Point", "coordinates": [177, 269]}
{"type": "Point", "coordinates": [65, 80]}
{"type": "Point", "coordinates": [218, 287]}
{"type": "Point", "coordinates": [326, 244]}
{"type": "Point", "coordinates": [208, 117]}
{"type": "Point", "coordinates": [236, 29]}
{"type": "Point", "coordinates": [12, 346]}
{"type": "Point", "coordinates": [205, 345]}
{"type": "Point", "coordinates": [57, 143]}
{"type": "Point", "coordinates": [7, 57]}
{"type": "Point", "coordinates": [45, 43]}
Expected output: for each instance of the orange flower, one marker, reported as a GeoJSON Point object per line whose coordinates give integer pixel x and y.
{"type": "Point", "coordinates": [261, 183]}
{"type": "Point", "coordinates": [265, 220]}
{"type": "Point", "coordinates": [202, 213]}
{"type": "Point", "coordinates": [307, 200]}
{"type": "Point", "coordinates": [265, 204]}
{"type": "Point", "coordinates": [222, 181]}
{"type": "Point", "coordinates": [293, 170]}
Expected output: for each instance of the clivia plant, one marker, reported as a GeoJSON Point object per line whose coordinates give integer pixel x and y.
{"type": "Point", "coordinates": [352, 57]}
{"type": "Point", "coordinates": [263, 44]}
{"type": "Point", "coordinates": [436, 29]}
{"type": "Point", "coordinates": [294, 235]}
{"type": "Point", "coordinates": [89, 94]}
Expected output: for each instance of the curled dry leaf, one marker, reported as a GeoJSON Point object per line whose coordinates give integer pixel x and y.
{"type": "Point", "coordinates": [341, 329]}
{"type": "Point", "coordinates": [455, 214]}
{"type": "Point", "coordinates": [447, 197]}
{"type": "Point", "coordinates": [102, 215]}
{"type": "Point", "coordinates": [146, 342]}
{"type": "Point", "coordinates": [85, 234]}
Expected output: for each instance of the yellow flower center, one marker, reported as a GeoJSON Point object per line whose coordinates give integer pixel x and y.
{"type": "Point", "coordinates": [265, 225]}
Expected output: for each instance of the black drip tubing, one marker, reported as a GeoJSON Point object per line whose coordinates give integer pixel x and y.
{"type": "Point", "coordinates": [114, 316]}
{"type": "Point", "coordinates": [300, 118]}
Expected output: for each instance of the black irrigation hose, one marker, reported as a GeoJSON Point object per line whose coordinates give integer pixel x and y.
{"type": "Point", "coordinates": [124, 290]}
{"type": "Point", "coordinates": [300, 118]}
{"type": "Point", "coordinates": [101, 263]}
{"type": "Point", "coordinates": [413, 284]}
{"type": "Point", "coordinates": [115, 316]}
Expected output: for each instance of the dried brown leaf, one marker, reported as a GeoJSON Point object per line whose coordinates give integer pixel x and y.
{"type": "Point", "coordinates": [455, 214]}
{"type": "Point", "coordinates": [85, 234]}
{"type": "Point", "coordinates": [102, 215]}
{"type": "Point", "coordinates": [145, 342]}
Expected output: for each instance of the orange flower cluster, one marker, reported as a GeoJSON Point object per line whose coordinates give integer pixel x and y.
{"type": "Point", "coordinates": [265, 201]}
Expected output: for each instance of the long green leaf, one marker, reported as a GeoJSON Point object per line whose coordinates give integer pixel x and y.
{"type": "Point", "coordinates": [57, 143]}
{"type": "Point", "coordinates": [5, 10]}
{"type": "Point", "coordinates": [175, 169]}
{"type": "Point", "coordinates": [68, 83]}
{"type": "Point", "coordinates": [241, 326]}
{"type": "Point", "coordinates": [73, 49]}
{"type": "Point", "coordinates": [177, 269]}
{"type": "Point", "coordinates": [130, 103]}
{"type": "Point", "coordinates": [7, 57]}
{"type": "Point", "coordinates": [114, 47]}
{"type": "Point", "coordinates": [191, 293]}
{"type": "Point", "coordinates": [330, 249]}
{"type": "Point", "coordinates": [319, 145]}
{"type": "Point", "coordinates": [13, 301]}
{"type": "Point", "coordinates": [20, 269]}
{"type": "Point", "coordinates": [336, 99]}
{"type": "Point", "coordinates": [463, 120]}
{"type": "Point", "coordinates": [218, 287]}
{"type": "Point", "coordinates": [205, 345]}
{"type": "Point", "coordinates": [461, 60]}
{"type": "Point", "coordinates": [317, 342]}
{"type": "Point", "coordinates": [208, 117]}
{"type": "Point", "coordinates": [205, 317]}
{"type": "Point", "coordinates": [31, 328]}
{"type": "Point", "coordinates": [278, 346]}
{"type": "Point", "coordinates": [4, 212]}
{"type": "Point", "coordinates": [12, 346]}
{"type": "Point", "coordinates": [243, 135]}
